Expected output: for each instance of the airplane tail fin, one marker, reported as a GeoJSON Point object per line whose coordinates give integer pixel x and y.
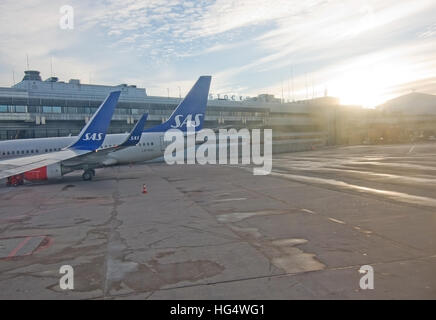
{"type": "Point", "coordinates": [92, 135]}
{"type": "Point", "coordinates": [190, 111]}
{"type": "Point", "coordinates": [135, 134]}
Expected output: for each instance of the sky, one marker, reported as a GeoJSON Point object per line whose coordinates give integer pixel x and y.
{"type": "Point", "coordinates": [362, 51]}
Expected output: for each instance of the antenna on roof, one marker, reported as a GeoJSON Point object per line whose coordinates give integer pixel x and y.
{"type": "Point", "coordinates": [307, 90]}
{"type": "Point", "coordinates": [313, 88]}
{"type": "Point", "coordinates": [292, 78]}
{"type": "Point", "coordinates": [289, 91]}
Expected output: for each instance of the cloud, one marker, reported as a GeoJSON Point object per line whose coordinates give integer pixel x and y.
{"type": "Point", "coordinates": [249, 46]}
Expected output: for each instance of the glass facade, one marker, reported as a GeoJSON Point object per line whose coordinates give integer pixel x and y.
{"type": "Point", "coordinates": [44, 121]}
{"type": "Point", "coordinates": [155, 110]}
{"type": "Point", "coordinates": [50, 109]}
{"type": "Point", "coordinates": [13, 109]}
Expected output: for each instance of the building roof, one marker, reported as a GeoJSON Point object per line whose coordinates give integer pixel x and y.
{"type": "Point", "coordinates": [32, 87]}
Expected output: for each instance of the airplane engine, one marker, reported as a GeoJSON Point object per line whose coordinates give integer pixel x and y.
{"type": "Point", "coordinates": [50, 172]}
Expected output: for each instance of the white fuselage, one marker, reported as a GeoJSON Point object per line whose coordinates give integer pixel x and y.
{"type": "Point", "coordinates": [150, 146]}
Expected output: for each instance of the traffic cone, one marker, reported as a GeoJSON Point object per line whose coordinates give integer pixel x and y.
{"type": "Point", "coordinates": [144, 189]}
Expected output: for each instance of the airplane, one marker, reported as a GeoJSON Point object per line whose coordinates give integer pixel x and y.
{"type": "Point", "coordinates": [151, 144]}
{"type": "Point", "coordinates": [90, 161]}
{"type": "Point", "coordinates": [43, 166]}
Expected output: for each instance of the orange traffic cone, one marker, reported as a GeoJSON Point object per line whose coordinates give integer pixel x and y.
{"type": "Point", "coordinates": [144, 189]}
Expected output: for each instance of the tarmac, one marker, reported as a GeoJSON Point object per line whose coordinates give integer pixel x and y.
{"type": "Point", "coordinates": [220, 232]}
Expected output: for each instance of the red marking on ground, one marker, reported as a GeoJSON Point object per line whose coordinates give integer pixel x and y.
{"type": "Point", "coordinates": [47, 242]}
{"type": "Point", "coordinates": [21, 245]}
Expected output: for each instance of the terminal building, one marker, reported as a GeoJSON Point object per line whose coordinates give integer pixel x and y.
{"type": "Point", "coordinates": [35, 108]}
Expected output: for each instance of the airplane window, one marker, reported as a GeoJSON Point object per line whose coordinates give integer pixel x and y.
{"type": "Point", "coordinates": [37, 151]}
{"type": "Point", "coordinates": [8, 152]}
{"type": "Point", "coordinates": [22, 151]}
{"type": "Point", "coordinates": [31, 151]}
{"type": "Point", "coordinates": [13, 152]}
{"type": "Point", "coordinates": [152, 143]}
{"type": "Point", "coordinates": [49, 150]}
{"type": "Point", "coordinates": [27, 151]}
{"type": "Point", "coordinates": [46, 150]}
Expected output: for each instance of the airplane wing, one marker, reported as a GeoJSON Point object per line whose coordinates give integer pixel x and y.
{"type": "Point", "coordinates": [90, 138]}
{"type": "Point", "coordinates": [99, 156]}
{"type": "Point", "coordinates": [12, 167]}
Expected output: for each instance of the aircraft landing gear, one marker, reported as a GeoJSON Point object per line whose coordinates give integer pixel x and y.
{"type": "Point", "coordinates": [15, 181]}
{"type": "Point", "coordinates": [88, 175]}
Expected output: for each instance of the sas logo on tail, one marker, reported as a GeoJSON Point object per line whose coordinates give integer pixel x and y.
{"type": "Point", "coordinates": [188, 120]}
{"type": "Point", "coordinates": [135, 138]}
{"type": "Point", "coordinates": [93, 136]}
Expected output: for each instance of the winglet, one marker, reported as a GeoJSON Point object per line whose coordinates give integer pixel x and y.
{"type": "Point", "coordinates": [135, 134]}
{"type": "Point", "coordinates": [191, 110]}
{"type": "Point", "coordinates": [92, 135]}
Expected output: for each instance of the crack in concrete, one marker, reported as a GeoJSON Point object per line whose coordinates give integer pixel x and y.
{"type": "Point", "coordinates": [115, 267]}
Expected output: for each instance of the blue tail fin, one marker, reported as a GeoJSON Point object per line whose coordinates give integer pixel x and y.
{"type": "Point", "coordinates": [92, 135]}
{"type": "Point", "coordinates": [190, 111]}
{"type": "Point", "coordinates": [135, 134]}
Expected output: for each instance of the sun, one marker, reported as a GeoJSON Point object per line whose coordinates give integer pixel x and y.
{"type": "Point", "coordinates": [370, 82]}
{"type": "Point", "coordinates": [361, 87]}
